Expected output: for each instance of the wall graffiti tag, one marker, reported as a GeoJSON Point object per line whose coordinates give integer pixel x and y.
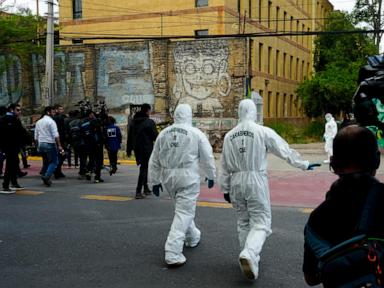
{"type": "Point", "coordinates": [124, 76]}
{"type": "Point", "coordinates": [10, 79]}
{"type": "Point", "coordinates": [201, 76]}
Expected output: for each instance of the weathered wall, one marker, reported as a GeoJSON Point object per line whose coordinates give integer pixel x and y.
{"type": "Point", "coordinates": [207, 74]}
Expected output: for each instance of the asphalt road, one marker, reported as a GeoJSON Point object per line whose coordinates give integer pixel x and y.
{"type": "Point", "coordinates": [78, 234]}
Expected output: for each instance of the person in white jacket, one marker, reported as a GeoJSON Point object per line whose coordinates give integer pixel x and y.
{"type": "Point", "coordinates": [174, 167]}
{"type": "Point", "coordinates": [329, 134]}
{"type": "Point", "coordinates": [244, 182]}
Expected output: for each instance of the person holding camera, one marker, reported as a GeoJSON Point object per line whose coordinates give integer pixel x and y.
{"type": "Point", "coordinates": [355, 196]}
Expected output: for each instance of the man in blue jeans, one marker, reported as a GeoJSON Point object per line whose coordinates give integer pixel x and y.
{"type": "Point", "coordinates": [48, 142]}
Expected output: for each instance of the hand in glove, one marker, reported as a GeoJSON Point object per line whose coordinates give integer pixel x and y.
{"type": "Point", "coordinates": [312, 166]}
{"type": "Point", "coordinates": [227, 197]}
{"type": "Point", "coordinates": [156, 189]}
{"type": "Point", "coordinates": [211, 183]}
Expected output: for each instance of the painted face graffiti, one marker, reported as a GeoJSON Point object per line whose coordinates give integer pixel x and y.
{"type": "Point", "coordinates": [201, 72]}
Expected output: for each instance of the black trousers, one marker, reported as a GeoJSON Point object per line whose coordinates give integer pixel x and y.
{"type": "Point", "coordinates": [112, 158]}
{"type": "Point", "coordinates": [11, 167]}
{"type": "Point", "coordinates": [143, 176]}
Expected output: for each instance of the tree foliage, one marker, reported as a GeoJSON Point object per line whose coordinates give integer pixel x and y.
{"type": "Point", "coordinates": [18, 33]}
{"type": "Point", "coordinates": [369, 13]}
{"type": "Point", "coordinates": [337, 59]}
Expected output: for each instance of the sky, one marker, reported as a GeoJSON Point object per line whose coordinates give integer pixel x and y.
{"type": "Point", "coordinates": [346, 5]}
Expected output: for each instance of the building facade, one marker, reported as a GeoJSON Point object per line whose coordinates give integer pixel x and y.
{"type": "Point", "coordinates": [276, 62]}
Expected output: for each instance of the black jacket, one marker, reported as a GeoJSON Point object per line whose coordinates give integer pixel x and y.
{"type": "Point", "coordinates": [12, 133]}
{"type": "Point", "coordinates": [142, 133]}
{"type": "Point", "coordinates": [337, 218]}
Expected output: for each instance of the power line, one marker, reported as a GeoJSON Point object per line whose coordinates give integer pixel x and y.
{"type": "Point", "coordinates": [246, 35]}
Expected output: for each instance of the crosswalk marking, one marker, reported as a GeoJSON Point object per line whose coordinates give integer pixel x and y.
{"type": "Point", "coordinates": [28, 193]}
{"type": "Point", "coordinates": [106, 198]}
{"type": "Point", "coordinates": [306, 210]}
{"type": "Point", "coordinates": [214, 204]}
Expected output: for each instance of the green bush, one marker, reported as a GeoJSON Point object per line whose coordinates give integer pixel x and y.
{"type": "Point", "coordinates": [295, 134]}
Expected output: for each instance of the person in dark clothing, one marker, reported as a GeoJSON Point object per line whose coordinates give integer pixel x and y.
{"type": "Point", "coordinates": [3, 111]}
{"type": "Point", "coordinates": [142, 134]}
{"type": "Point", "coordinates": [13, 137]}
{"type": "Point", "coordinates": [72, 132]}
{"type": "Point", "coordinates": [355, 160]}
{"type": "Point", "coordinates": [113, 143]}
{"type": "Point", "coordinates": [92, 135]}
{"type": "Point", "coordinates": [59, 118]}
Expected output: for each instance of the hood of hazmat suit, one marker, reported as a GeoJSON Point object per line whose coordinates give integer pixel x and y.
{"type": "Point", "coordinates": [178, 151]}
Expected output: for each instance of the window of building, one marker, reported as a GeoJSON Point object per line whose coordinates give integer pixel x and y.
{"type": "Point", "coordinates": [77, 41]}
{"type": "Point", "coordinates": [77, 9]}
{"type": "Point", "coordinates": [260, 5]}
{"type": "Point", "coordinates": [291, 68]}
{"type": "Point", "coordinates": [201, 3]}
{"type": "Point", "coordinates": [251, 56]}
{"type": "Point", "coordinates": [261, 57]}
{"type": "Point", "coordinates": [285, 105]}
{"type": "Point", "coordinates": [269, 14]}
{"type": "Point", "coordinates": [277, 61]}
{"type": "Point", "coordinates": [297, 30]}
{"type": "Point", "coordinates": [297, 69]}
{"type": "Point", "coordinates": [309, 38]}
{"type": "Point", "coordinates": [291, 26]}
{"type": "Point", "coordinates": [250, 8]}
{"type": "Point", "coordinates": [302, 37]}
{"type": "Point", "coordinates": [238, 6]}
{"type": "Point", "coordinates": [270, 112]}
{"type": "Point", "coordinates": [203, 32]}
{"type": "Point", "coordinates": [284, 64]}
{"type": "Point", "coordinates": [269, 60]}
{"type": "Point", "coordinates": [302, 70]}
{"type": "Point", "coordinates": [278, 105]}
{"type": "Point", "coordinates": [284, 20]}
{"type": "Point", "coordinates": [277, 18]}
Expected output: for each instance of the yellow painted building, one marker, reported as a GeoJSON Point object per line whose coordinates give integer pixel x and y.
{"type": "Point", "coordinates": [276, 64]}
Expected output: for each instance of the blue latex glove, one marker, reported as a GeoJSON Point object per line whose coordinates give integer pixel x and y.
{"type": "Point", "coordinates": [227, 197]}
{"type": "Point", "coordinates": [312, 166]}
{"type": "Point", "coordinates": [211, 183]}
{"type": "Point", "coordinates": [156, 189]}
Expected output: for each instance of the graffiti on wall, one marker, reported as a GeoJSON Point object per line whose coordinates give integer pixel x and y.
{"type": "Point", "coordinates": [75, 76]}
{"type": "Point", "coordinates": [124, 76]}
{"type": "Point", "coordinates": [201, 76]}
{"type": "Point", "coordinates": [69, 87]}
{"type": "Point", "coordinates": [10, 79]}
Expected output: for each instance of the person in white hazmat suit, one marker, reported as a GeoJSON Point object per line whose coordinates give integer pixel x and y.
{"type": "Point", "coordinates": [174, 167]}
{"type": "Point", "coordinates": [329, 134]}
{"type": "Point", "coordinates": [244, 182]}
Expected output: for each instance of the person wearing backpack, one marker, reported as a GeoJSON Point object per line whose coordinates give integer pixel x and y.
{"type": "Point", "coordinates": [352, 213]}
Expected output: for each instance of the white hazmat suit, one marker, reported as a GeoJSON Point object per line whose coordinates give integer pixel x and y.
{"type": "Point", "coordinates": [174, 163]}
{"type": "Point", "coordinates": [329, 133]}
{"type": "Point", "coordinates": [243, 175]}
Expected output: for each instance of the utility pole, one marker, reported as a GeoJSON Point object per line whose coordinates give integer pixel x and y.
{"type": "Point", "coordinates": [49, 60]}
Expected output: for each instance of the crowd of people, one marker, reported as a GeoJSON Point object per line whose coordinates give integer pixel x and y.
{"type": "Point", "coordinates": [171, 161]}
{"type": "Point", "coordinates": [57, 136]}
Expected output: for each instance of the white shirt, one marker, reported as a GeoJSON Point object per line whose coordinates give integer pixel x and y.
{"type": "Point", "coordinates": [46, 130]}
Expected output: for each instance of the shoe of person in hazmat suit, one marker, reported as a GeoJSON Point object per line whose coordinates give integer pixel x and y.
{"type": "Point", "coordinates": [329, 133]}
{"type": "Point", "coordinates": [174, 166]}
{"type": "Point", "coordinates": [244, 181]}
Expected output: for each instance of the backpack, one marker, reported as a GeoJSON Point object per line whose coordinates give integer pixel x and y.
{"type": "Point", "coordinates": [356, 262]}
{"type": "Point", "coordinates": [75, 131]}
